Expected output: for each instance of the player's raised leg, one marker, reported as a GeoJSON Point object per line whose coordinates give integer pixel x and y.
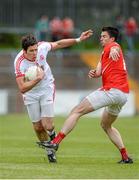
{"type": "Point", "coordinates": [83, 108]}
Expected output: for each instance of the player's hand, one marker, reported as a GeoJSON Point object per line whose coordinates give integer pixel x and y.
{"type": "Point", "coordinates": [40, 73]}
{"type": "Point", "coordinates": [86, 34]}
{"type": "Point", "coordinates": [92, 73]}
{"type": "Point", "coordinates": [114, 53]}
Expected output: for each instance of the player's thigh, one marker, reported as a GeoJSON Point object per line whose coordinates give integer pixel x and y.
{"type": "Point", "coordinates": [83, 107]}
{"type": "Point", "coordinates": [112, 98]}
{"type": "Point", "coordinates": [99, 99]}
{"type": "Point", "coordinates": [47, 105]}
{"type": "Point", "coordinates": [119, 98]}
{"type": "Point", "coordinates": [34, 111]}
{"type": "Point", "coordinates": [114, 109]}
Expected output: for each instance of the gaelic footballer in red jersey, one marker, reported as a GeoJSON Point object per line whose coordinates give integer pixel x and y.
{"type": "Point", "coordinates": [112, 95]}
{"type": "Point", "coordinates": [114, 74]}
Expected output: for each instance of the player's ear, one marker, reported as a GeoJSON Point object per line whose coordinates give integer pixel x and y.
{"type": "Point", "coordinates": [113, 38]}
{"type": "Point", "coordinates": [24, 51]}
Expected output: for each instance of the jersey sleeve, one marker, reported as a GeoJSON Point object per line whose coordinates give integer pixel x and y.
{"type": "Point", "coordinates": [19, 69]}
{"type": "Point", "coordinates": [45, 45]}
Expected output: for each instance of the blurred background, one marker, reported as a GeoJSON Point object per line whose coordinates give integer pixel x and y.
{"type": "Point", "coordinates": [56, 19]}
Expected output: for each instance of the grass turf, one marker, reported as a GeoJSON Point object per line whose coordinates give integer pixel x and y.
{"type": "Point", "coordinates": [85, 154]}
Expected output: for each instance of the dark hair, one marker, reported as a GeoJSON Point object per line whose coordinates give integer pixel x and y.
{"type": "Point", "coordinates": [28, 40]}
{"type": "Point", "coordinates": [112, 31]}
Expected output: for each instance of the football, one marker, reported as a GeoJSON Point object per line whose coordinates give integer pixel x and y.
{"type": "Point", "coordinates": [31, 73]}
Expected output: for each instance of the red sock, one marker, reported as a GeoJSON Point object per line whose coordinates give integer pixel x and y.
{"type": "Point", "coordinates": [58, 138]}
{"type": "Point", "coordinates": [124, 153]}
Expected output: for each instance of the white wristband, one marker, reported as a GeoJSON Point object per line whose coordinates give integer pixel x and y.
{"type": "Point", "coordinates": [78, 40]}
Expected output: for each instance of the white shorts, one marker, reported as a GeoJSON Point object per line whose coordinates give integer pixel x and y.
{"type": "Point", "coordinates": [112, 100]}
{"type": "Point", "coordinates": [41, 108]}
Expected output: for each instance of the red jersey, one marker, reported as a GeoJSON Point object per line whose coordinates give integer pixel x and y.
{"type": "Point", "coordinates": [114, 73]}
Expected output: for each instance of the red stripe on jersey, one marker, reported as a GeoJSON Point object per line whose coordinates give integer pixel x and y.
{"type": "Point", "coordinates": [20, 75]}
{"type": "Point", "coordinates": [17, 67]}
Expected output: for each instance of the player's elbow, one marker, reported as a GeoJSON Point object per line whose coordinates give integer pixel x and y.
{"type": "Point", "coordinates": [23, 90]}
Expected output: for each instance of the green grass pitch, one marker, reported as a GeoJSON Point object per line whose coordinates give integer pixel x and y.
{"type": "Point", "coordinates": [86, 153]}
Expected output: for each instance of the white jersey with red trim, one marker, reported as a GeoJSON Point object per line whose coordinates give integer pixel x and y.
{"type": "Point", "coordinates": [21, 65]}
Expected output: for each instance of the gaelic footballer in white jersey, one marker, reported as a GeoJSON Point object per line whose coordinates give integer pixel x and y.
{"type": "Point", "coordinates": [22, 64]}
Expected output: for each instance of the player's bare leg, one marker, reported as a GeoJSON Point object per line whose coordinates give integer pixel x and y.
{"type": "Point", "coordinates": [83, 108]}
{"type": "Point", "coordinates": [43, 136]}
{"type": "Point", "coordinates": [114, 135]}
{"type": "Point", "coordinates": [48, 125]}
{"type": "Point", "coordinates": [40, 131]}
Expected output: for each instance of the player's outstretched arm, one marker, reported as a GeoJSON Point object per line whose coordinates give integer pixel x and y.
{"type": "Point", "coordinates": [69, 42]}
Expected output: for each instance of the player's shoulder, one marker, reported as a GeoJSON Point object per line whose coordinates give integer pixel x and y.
{"type": "Point", "coordinates": [19, 60]}
{"type": "Point", "coordinates": [114, 44]}
{"type": "Point", "coordinates": [19, 56]}
{"type": "Point", "coordinates": [109, 46]}
{"type": "Point", "coordinates": [44, 44]}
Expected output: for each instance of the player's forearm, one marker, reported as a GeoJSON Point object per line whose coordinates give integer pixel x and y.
{"type": "Point", "coordinates": [95, 73]}
{"type": "Point", "coordinates": [26, 86]}
{"type": "Point", "coordinates": [98, 73]}
{"type": "Point", "coordinates": [66, 43]}
{"type": "Point", "coordinates": [98, 69]}
{"type": "Point", "coordinates": [69, 42]}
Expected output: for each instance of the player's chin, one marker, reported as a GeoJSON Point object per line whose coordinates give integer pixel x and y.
{"type": "Point", "coordinates": [34, 58]}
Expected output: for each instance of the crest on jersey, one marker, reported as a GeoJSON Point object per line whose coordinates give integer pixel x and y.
{"type": "Point", "coordinates": [41, 57]}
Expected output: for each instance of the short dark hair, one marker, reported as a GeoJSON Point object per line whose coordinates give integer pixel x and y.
{"type": "Point", "coordinates": [112, 31]}
{"type": "Point", "coordinates": [28, 40]}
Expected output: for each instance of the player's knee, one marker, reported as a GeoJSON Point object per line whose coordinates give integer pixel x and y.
{"type": "Point", "coordinates": [50, 126]}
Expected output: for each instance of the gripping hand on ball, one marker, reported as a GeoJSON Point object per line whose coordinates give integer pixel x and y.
{"type": "Point", "coordinates": [40, 73]}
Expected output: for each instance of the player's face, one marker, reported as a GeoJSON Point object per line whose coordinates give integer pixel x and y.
{"type": "Point", "coordinates": [31, 52]}
{"type": "Point", "coordinates": [105, 38]}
